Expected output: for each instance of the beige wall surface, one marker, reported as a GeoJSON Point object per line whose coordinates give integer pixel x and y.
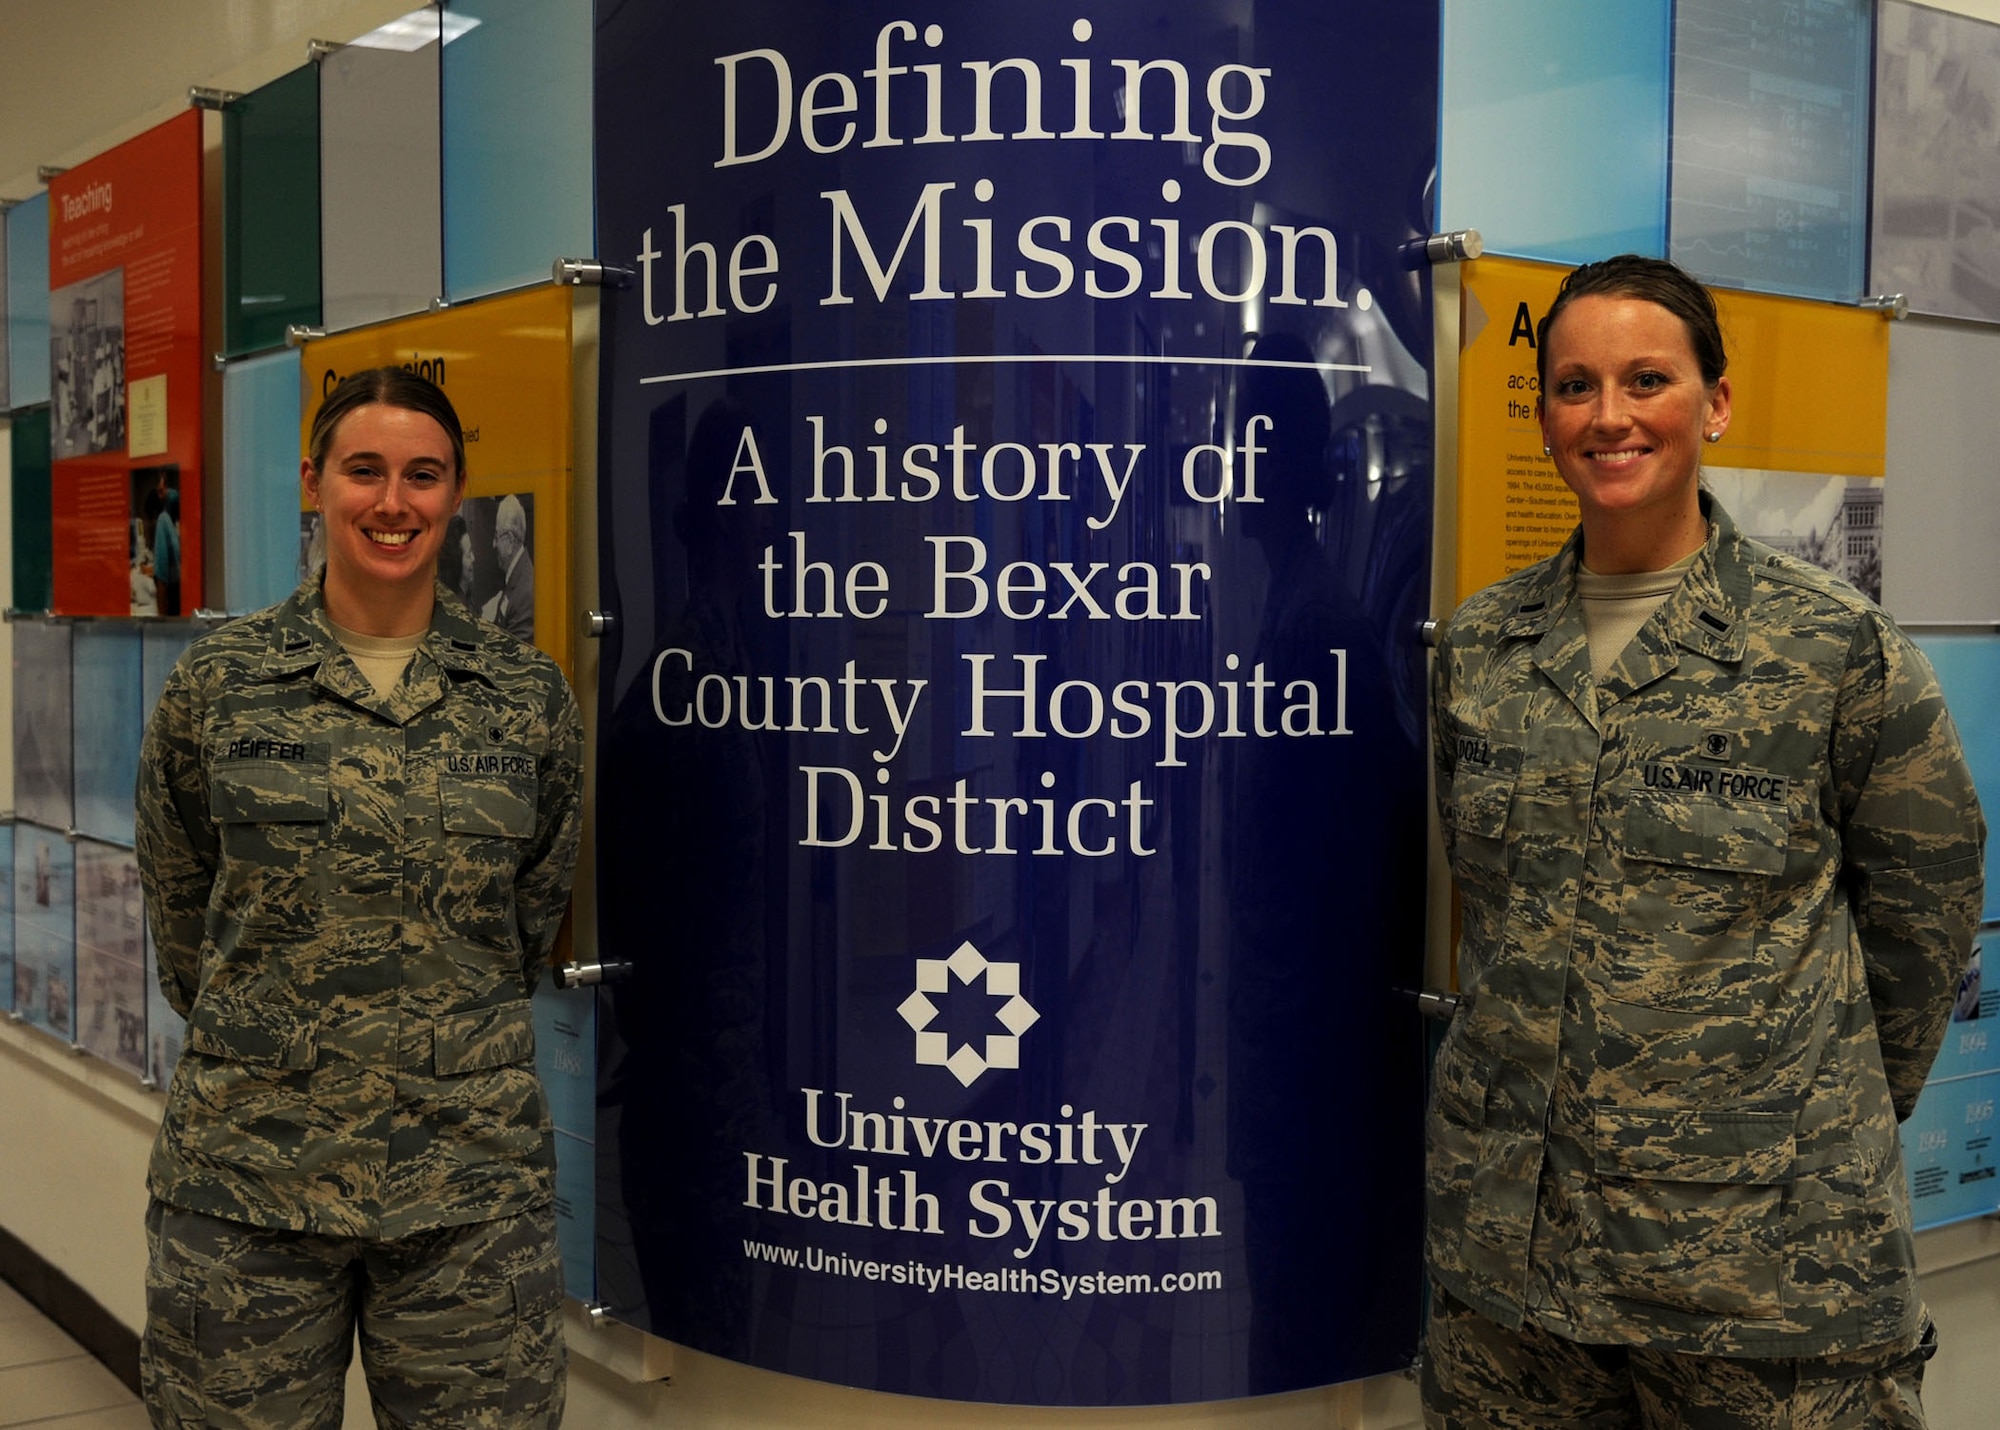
{"type": "Point", "coordinates": [77, 76]}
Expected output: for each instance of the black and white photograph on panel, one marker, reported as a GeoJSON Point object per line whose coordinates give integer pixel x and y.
{"type": "Point", "coordinates": [44, 742]}
{"type": "Point", "coordinates": [1936, 234]}
{"type": "Point", "coordinates": [87, 366]}
{"type": "Point", "coordinates": [1834, 522]}
{"type": "Point", "coordinates": [489, 559]}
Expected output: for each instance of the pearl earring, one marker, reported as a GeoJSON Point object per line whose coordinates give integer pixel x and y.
{"type": "Point", "coordinates": [1715, 436]}
{"type": "Point", "coordinates": [1545, 450]}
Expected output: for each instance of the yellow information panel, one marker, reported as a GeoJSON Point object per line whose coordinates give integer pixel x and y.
{"type": "Point", "coordinates": [1800, 468]}
{"type": "Point", "coordinates": [505, 364]}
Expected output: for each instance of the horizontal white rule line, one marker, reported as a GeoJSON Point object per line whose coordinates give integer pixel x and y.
{"type": "Point", "coordinates": [1003, 358]}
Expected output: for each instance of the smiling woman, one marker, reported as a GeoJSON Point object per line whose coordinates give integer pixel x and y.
{"type": "Point", "coordinates": [1719, 860]}
{"type": "Point", "coordinates": [358, 822]}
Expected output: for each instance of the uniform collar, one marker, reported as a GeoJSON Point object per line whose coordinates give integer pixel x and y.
{"type": "Point", "coordinates": [302, 639]}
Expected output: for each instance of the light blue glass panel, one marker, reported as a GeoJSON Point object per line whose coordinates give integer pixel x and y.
{"type": "Point", "coordinates": [28, 302]}
{"type": "Point", "coordinates": [1968, 671]}
{"type": "Point", "coordinates": [108, 726]}
{"type": "Point", "coordinates": [45, 929]}
{"type": "Point", "coordinates": [517, 160]}
{"type": "Point", "coordinates": [1948, 1149]}
{"type": "Point", "coordinates": [566, 1057]}
{"type": "Point", "coordinates": [1554, 126]}
{"type": "Point", "coordinates": [42, 750]}
{"type": "Point", "coordinates": [166, 1030]}
{"type": "Point", "coordinates": [260, 480]}
{"type": "Point", "coordinates": [1769, 189]}
{"type": "Point", "coordinates": [7, 918]}
{"type": "Point", "coordinates": [161, 644]}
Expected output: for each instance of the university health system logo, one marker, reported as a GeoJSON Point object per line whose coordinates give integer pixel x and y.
{"type": "Point", "coordinates": [999, 980]}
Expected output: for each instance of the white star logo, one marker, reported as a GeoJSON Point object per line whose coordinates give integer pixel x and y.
{"type": "Point", "coordinates": [1016, 1015]}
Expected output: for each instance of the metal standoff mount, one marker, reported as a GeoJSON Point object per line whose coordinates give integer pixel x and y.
{"type": "Point", "coordinates": [598, 624]}
{"type": "Point", "coordinates": [589, 273]}
{"type": "Point", "coordinates": [297, 335]}
{"type": "Point", "coordinates": [598, 1314]}
{"type": "Point", "coordinates": [1896, 305]}
{"type": "Point", "coordinates": [202, 96]}
{"type": "Point", "coordinates": [319, 50]}
{"type": "Point", "coordinates": [1435, 1003]}
{"type": "Point", "coordinates": [588, 975]}
{"type": "Point", "coordinates": [1454, 247]}
{"type": "Point", "coordinates": [46, 172]}
{"type": "Point", "coordinates": [1427, 632]}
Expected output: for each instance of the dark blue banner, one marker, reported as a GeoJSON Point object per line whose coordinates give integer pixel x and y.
{"type": "Point", "coordinates": [1016, 507]}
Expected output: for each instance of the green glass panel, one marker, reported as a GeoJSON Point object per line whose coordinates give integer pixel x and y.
{"type": "Point", "coordinates": [34, 545]}
{"type": "Point", "coordinates": [270, 146]}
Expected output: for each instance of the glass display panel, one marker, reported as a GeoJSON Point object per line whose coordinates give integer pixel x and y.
{"type": "Point", "coordinates": [1518, 74]}
{"type": "Point", "coordinates": [260, 480]}
{"type": "Point", "coordinates": [1936, 220]}
{"type": "Point", "coordinates": [270, 225]}
{"type": "Point", "coordinates": [45, 929]}
{"type": "Point", "coordinates": [1968, 671]}
{"type": "Point", "coordinates": [32, 517]}
{"type": "Point", "coordinates": [1769, 188]}
{"type": "Point", "coordinates": [43, 765]}
{"type": "Point", "coordinates": [7, 917]}
{"type": "Point", "coordinates": [110, 956]}
{"type": "Point", "coordinates": [380, 250]}
{"type": "Point", "coordinates": [28, 302]}
{"type": "Point", "coordinates": [517, 192]}
{"type": "Point", "coordinates": [108, 726]}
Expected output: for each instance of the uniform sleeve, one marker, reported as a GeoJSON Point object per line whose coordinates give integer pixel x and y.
{"type": "Point", "coordinates": [1913, 842]}
{"type": "Point", "coordinates": [176, 841]}
{"type": "Point", "coordinates": [542, 884]}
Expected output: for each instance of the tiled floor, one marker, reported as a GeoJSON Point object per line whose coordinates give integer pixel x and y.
{"type": "Point", "coordinates": [48, 1380]}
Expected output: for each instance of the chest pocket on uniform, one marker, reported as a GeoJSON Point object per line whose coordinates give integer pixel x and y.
{"type": "Point", "coordinates": [1698, 873]}
{"type": "Point", "coordinates": [494, 806]}
{"type": "Point", "coordinates": [267, 792]}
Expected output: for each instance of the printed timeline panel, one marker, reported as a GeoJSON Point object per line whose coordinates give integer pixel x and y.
{"type": "Point", "coordinates": [1513, 76]}
{"type": "Point", "coordinates": [1968, 669]}
{"type": "Point", "coordinates": [381, 254]}
{"type": "Point", "coordinates": [1769, 188]}
{"type": "Point", "coordinates": [517, 188]}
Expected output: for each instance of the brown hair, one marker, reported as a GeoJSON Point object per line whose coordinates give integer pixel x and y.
{"type": "Point", "coordinates": [1651, 280]}
{"type": "Point", "coordinates": [392, 387]}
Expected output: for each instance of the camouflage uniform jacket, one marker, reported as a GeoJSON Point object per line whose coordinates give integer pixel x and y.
{"type": "Point", "coordinates": [352, 898]}
{"type": "Point", "coordinates": [1714, 909]}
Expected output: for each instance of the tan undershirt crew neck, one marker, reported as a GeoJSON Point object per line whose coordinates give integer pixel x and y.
{"type": "Point", "coordinates": [1614, 607]}
{"type": "Point", "coordinates": [381, 658]}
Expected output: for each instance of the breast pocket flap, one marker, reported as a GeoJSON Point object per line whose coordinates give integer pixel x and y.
{"type": "Point", "coordinates": [500, 806]}
{"type": "Point", "coordinates": [267, 792]}
{"type": "Point", "coordinates": [260, 1034]}
{"type": "Point", "coordinates": [1689, 1145]}
{"type": "Point", "coordinates": [1700, 833]}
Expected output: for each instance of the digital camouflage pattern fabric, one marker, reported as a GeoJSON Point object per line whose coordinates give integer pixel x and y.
{"type": "Point", "coordinates": [1714, 910]}
{"type": "Point", "coordinates": [352, 899]}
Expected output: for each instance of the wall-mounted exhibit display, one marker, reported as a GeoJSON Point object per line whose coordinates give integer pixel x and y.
{"type": "Point", "coordinates": [1968, 671]}
{"type": "Point", "coordinates": [1515, 76]}
{"type": "Point", "coordinates": [127, 372]}
{"type": "Point", "coordinates": [5, 401]}
{"type": "Point", "coordinates": [566, 1057]}
{"type": "Point", "coordinates": [1936, 234]}
{"type": "Point", "coordinates": [506, 365]}
{"type": "Point", "coordinates": [1015, 504]}
{"type": "Point", "coordinates": [516, 141]}
{"type": "Point", "coordinates": [28, 301]}
{"type": "Point", "coordinates": [260, 471]}
{"type": "Point", "coordinates": [110, 956]}
{"type": "Point", "coordinates": [1948, 1144]}
{"type": "Point", "coordinates": [45, 929]}
{"type": "Point", "coordinates": [1769, 187]}
{"type": "Point", "coordinates": [381, 244]}
{"type": "Point", "coordinates": [29, 518]}
{"type": "Point", "coordinates": [105, 659]}
{"type": "Point", "coordinates": [44, 763]}
{"type": "Point", "coordinates": [1800, 467]}
{"type": "Point", "coordinates": [270, 212]}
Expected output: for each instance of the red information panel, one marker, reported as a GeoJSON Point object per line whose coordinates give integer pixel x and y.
{"type": "Point", "coordinates": [126, 375]}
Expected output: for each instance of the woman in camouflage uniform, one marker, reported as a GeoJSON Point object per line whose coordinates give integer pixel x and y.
{"type": "Point", "coordinates": [1720, 862]}
{"type": "Point", "coordinates": [358, 820]}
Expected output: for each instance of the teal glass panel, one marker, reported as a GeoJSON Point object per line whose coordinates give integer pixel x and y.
{"type": "Point", "coordinates": [270, 218]}
{"type": "Point", "coordinates": [517, 128]}
{"type": "Point", "coordinates": [1553, 133]}
{"type": "Point", "coordinates": [28, 302]}
{"type": "Point", "coordinates": [260, 480]}
{"type": "Point", "coordinates": [1769, 189]}
{"type": "Point", "coordinates": [108, 724]}
{"type": "Point", "coordinates": [33, 516]}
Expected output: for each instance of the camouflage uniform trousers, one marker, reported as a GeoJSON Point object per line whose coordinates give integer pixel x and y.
{"type": "Point", "coordinates": [251, 1327]}
{"type": "Point", "coordinates": [1478, 1375]}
